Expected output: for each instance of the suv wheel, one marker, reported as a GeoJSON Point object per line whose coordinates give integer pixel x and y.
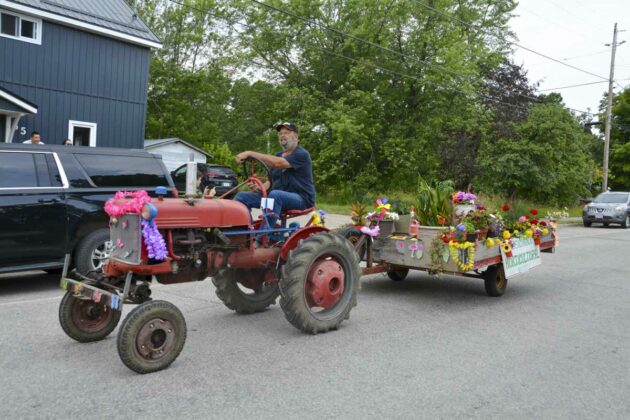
{"type": "Point", "coordinates": [93, 252]}
{"type": "Point", "coordinates": [626, 222]}
{"type": "Point", "coordinates": [587, 224]}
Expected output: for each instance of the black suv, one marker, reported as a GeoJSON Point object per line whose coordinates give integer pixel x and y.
{"type": "Point", "coordinates": [52, 197]}
{"type": "Point", "coordinates": [223, 178]}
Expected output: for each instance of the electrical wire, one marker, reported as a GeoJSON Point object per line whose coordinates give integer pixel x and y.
{"type": "Point", "coordinates": [451, 16]}
{"type": "Point", "coordinates": [572, 86]}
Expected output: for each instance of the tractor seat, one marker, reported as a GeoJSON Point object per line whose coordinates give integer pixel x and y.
{"type": "Point", "coordinates": [296, 213]}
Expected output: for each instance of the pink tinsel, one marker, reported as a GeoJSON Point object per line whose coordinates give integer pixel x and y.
{"type": "Point", "coordinates": [126, 202]}
{"type": "Point", "coordinates": [371, 232]}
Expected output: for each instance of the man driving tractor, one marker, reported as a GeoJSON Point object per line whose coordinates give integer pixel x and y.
{"type": "Point", "coordinates": [291, 173]}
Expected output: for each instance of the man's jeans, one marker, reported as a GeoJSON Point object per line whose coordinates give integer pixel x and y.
{"type": "Point", "coordinates": [282, 200]}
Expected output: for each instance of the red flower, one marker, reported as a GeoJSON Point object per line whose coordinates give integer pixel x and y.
{"type": "Point", "coordinates": [527, 216]}
{"type": "Point", "coordinates": [534, 221]}
{"type": "Point", "coordinates": [533, 211]}
{"type": "Point", "coordinates": [505, 207]}
{"type": "Point", "coordinates": [543, 223]}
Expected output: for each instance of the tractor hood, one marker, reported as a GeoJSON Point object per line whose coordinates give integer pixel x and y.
{"type": "Point", "coordinates": [174, 213]}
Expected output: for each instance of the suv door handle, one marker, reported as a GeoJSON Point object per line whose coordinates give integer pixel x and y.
{"type": "Point", "coordinates": [51, 201]}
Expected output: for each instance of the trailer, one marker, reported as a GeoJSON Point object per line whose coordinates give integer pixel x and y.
{"type": "Point", "coordinates": [425, 250]}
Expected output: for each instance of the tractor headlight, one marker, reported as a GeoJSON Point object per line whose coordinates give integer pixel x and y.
{"type": "Point", "coordinates": [149, 211]}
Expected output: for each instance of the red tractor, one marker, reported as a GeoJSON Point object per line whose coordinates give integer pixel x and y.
{"type": "Point", "coordinates": [315, 272]}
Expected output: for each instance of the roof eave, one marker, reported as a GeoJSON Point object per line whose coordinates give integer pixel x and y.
{"type": "Point", "coordinates": [75, 23]}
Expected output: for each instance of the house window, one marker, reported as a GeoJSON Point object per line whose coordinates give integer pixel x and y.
{"type": "Point", "coordinates": [82, 133]}
{"type": "Point", "coordinates": [20, 27]}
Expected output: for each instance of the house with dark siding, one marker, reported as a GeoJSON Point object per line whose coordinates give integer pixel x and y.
{"type": "Point", "coordinates": [74, 69]}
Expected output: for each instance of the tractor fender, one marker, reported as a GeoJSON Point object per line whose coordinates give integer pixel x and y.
{"type": "Point", "coordinates": [300, 234]}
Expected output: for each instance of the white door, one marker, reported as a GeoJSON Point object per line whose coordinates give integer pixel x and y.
{"type": "Point", "coordinates": [82, 133]}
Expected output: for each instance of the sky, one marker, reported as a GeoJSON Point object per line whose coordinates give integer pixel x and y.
{"type": "Point", "coordinates": [574, 32]}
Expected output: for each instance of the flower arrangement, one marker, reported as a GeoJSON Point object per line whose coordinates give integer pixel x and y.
{"type": "Point", "coordinates": [461, 197]}
{"type": "Point", "coordinates": [382, 211]}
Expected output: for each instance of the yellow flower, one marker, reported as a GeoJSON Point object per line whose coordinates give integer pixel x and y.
{"type": "Point", "coordinates": [545, 231]}
{"type": "Point", "coordinates": [506, 234]}
{"type": "Point", "coordinates": [489, 242]}
{"type": "Point", "coordinates": [529, 233]}
{"type": "Point", "coordinates": [515, 232]}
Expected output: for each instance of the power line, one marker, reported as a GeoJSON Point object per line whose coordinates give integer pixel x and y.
{"type": "Point", "coordinates": [572, 86]}
{"type": "Point", "coordinates": [451, 16]}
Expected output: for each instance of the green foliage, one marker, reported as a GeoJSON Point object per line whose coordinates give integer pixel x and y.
{"type": "Point", "coordinates": [620, 142]}
{"type": "Point", "coordinates": [423, 95]}
{"type": "Point", "coordinates": [547, 161]}
{"type": "Point", "coordinates": [434, 202]}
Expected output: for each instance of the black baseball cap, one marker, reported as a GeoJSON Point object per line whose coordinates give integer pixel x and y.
{"type": "Point", "coordinates": [288, 125]}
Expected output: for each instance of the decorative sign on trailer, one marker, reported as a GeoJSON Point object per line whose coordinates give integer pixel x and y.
{"type": "Point", "coordinates": [525, 255]}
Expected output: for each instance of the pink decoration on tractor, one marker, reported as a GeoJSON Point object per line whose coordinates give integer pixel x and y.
{"type": "Point", "coordinates": [125, 202]}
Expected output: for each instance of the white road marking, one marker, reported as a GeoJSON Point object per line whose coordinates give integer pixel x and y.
{"type": "Point", "coordinates": [21, 302]}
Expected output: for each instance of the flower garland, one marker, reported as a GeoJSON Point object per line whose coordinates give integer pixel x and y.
{"type": "Point", "coordinates": [455, 247]}
{"type": "Point", "coordinates": [125, 202]}
{"type": "Point", "coordinates": [156, 247]}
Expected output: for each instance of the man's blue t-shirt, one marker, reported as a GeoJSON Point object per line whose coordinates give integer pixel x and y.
{"type": "Point", "coordinates": [298, 178]}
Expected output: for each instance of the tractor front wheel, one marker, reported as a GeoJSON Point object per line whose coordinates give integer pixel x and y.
{"type": "Point", "coordinates": [85, 320]}
{"type": "Point", "coordinates": [244, 291]}
{"type": "Point", "coordinates": [319, 283]}
{"type": "Point", "coordinates": [152, 336]}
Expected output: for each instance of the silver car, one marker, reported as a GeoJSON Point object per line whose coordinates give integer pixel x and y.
{"type": "Point", "coordinates": [608, 207]}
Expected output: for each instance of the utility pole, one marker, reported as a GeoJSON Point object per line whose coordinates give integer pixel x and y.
{"type": "Point", "coordinates": [609, 110]}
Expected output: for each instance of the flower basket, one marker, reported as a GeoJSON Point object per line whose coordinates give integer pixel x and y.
{"type": "Point", "coordinates": [386, 227]}
{"type": "Point", "coordinates": [462, 210]}
{"type": "Point", "coordinates": [482, 234]}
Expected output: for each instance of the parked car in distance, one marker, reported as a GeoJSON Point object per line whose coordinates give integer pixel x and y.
{"type": "Point", "coordinates": [608, 207]}
{"type": "Point", "coordinates": [223, 178]}
{"type": "Point", "coordinates": [52, 198]}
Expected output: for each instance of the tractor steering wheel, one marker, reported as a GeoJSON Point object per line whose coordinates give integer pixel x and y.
{"type": "Point", "coordinates": [255, 168]}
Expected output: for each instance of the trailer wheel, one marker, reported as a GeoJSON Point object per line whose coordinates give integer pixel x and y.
{"type": "Point", "coordinates": [398, 274]}
{"type": "Point", "coordinates": [152, 336]}
{"type": "Point", "coordinates": [85, 320]}
{"type": "Point", "coordinates": [319, 283]}
{"type": "Point", "coordinates": [353, 234]}
{"type": "Point", "coordinates": [495, 280]}
{"type": "Point", "coordinates": [243, 291]}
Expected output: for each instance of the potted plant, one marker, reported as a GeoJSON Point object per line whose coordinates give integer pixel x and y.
{"type": "Point", "coordinates": [405, 214]}
{"type": "Point", "coordinates": [433, 203]}
{"type": "Point", "coordinates": [383, 217]}
{"type": "Point", "coordinates": [464, 203]}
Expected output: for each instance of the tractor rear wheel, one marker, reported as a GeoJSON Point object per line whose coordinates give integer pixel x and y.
{"type": "Point", "coordinates": [244, 291]}
{"type": "Point", "coordinates": [319, 283]}
{"type": "Point", "coordinates": [152, 336]}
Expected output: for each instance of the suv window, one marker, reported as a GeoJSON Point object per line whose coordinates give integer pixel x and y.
{"type": "Point", "coordinates": [23, 170]}
{"type": "Point", "coordinates": [122, 171]}
{"type": "Point", "coordinates": [217, 170]}
{"type": "Point", "coordinates": [611, 198]}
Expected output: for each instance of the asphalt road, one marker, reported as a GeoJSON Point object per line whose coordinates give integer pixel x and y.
{"type": "Point", "coordinates": [556, 345]}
